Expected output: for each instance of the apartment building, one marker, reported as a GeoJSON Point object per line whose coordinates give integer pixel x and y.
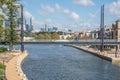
{"type": "Point", "coordinates": [116, 30]}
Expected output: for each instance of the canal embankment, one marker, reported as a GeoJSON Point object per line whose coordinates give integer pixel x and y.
{"type": "Point", "coordinates": [13, 67]}
{"type": "Point", "coordinates": [103, 55]}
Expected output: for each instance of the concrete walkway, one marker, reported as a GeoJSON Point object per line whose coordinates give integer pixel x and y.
{"type": "Point", "coordinates": [104, 55]}
{"type": "Point", "coordinates": [13, 67]}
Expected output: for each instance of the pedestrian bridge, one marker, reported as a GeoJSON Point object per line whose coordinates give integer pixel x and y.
{"type": "Point", "coordinates": [81, 42]}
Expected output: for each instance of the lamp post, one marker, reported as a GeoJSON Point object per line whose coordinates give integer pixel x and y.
{"type": "Point", "coordinates": [22, 31]}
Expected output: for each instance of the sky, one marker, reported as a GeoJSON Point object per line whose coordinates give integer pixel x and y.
{"type": "Point", "coordinates": [70, 14]}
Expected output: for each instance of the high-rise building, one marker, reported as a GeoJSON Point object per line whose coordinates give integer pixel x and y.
{"type": "Point", "coordinates": [46, 28]}
{"type": "Point", "coordinates": [29, 27]}
{"type": "Point", "coordinates": [54, 29]}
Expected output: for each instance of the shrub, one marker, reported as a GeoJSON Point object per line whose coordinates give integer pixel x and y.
{"type": "Point", "coordinates": [2, 69]}
{"type": "Point", "coordinates": [2, 49]}
{"type": "Point", "coordinates": [2, 66]}
{"type": "Point", "coordinates": [1, 78]}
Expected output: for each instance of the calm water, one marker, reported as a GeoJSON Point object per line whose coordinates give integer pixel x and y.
{"type": "Point", "coordinates": [57, 62]}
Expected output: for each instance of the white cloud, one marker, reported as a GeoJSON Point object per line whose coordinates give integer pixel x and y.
{"type": "Point", "coordinates": [66, 11]}
{"type": "Point", "coordinates": [46, 10]}
{"type": "Point", "coordinates": [84, 2]}
{"type": "Point", "coordinates": [82, 26]}
{"type": "Point", "coordinates": [114, 8]}
{"type": "Point", "coordinates": [48, 20]}
{"type": "Point", "coordinates": [69, 15]}
{"type": "Point", "coordinates": [36, 22]}
{"type": "Point", "coordinates": [27, 14]}
{"type": "Point", "coordinates": [91, 15]}
{"type": "Point", "coordinates": [75, 16]}
{"type": "Point", "coordinates": [57, 6]}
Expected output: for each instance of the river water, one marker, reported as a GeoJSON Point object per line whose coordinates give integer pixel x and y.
{"type": "Point", "coordinates": [58, 62]}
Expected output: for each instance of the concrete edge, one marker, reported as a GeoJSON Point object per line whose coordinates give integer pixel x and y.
{"type": "Point", "coordinates": [17, 62]}
{"type": "Point", "coordinates": [113, 60]}
{"type": "Point", "coordinates": [20, 64]}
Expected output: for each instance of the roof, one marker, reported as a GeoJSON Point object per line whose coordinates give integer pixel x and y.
{"type": "Point", "coordinates": [118, 20]}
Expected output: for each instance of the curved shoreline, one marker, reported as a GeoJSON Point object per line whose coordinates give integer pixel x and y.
{"type": "Point", "coordinates": [13, 67]}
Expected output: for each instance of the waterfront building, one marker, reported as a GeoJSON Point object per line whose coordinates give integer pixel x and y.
{"type": "Point", "coordinates": [29, 38]}
{"type": "Point", "coordinates": [76, 35]}
{"type": "Point", "coordinates": [95, 34]}
{"type": "Point", "coordinates": [108, 33]}
{"type": "Point", "coordinates": [116, 30]}
{"type": "Point", "coordinates": [64, 37]}
{"type": "Point", "coordinates": [85, 33]}
{"type": "Point", "coordinates": [66, 33]}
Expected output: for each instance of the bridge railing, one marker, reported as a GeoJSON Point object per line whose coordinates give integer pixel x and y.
{"type": "Point", "coordinates": [88, 40]}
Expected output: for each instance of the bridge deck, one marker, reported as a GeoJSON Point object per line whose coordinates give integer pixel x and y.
{"type": "Point", "coordinates": [74, 42]}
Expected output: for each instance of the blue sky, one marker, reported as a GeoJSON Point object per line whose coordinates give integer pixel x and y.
{"type": "Point", "coordinates": [71, 14]}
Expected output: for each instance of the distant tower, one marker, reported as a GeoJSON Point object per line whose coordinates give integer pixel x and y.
{"type": "Point", "coordinates": [30, 21]}
{"type": "Point", "coordinates": [46, 28]}
{"type": "Point", "coordinates": [30, 28]}
{"type": "Point", "coordinates": [26, 25]}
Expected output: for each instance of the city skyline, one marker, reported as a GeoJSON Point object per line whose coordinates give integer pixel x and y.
{"type": "Point", "coordinates": [72, 14]}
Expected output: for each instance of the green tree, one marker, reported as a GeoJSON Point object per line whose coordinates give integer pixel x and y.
{"type": "Point", "coordinates": [25, 33]}
{"type": "Point", "coordinates": [41, 36]}
{"type": "Point", "coordinates": [69, 38]}
{"type": "Point", "coordinates": [84, 38]}
{"type": "Point", "coordinates": [55, 36]}
{"type": "Point", "coordinates": [47, 36]}
{"type": "Point", "coordinates": [11, 13]}
{"type": "Point", "coordinates": [1, 26]}
{"type": "Point", "coordinates": [2, 2]}
{"type": "Point", "coordinates": [35, 35]}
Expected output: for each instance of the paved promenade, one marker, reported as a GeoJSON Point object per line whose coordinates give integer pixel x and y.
{"type": "Point", "coordinates": [13, 67]}
{"type": "Point", "coordinates": [112, 57]}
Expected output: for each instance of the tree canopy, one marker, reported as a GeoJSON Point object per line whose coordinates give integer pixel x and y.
{"type": "Point", "coordinates": [9, 9]}
{"type": "Point", "coordinates": [1, 26]}
{"type": "Point", "coordinates": [48, 36]}
{"type": "Point", "coordinates": [55, 36]}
